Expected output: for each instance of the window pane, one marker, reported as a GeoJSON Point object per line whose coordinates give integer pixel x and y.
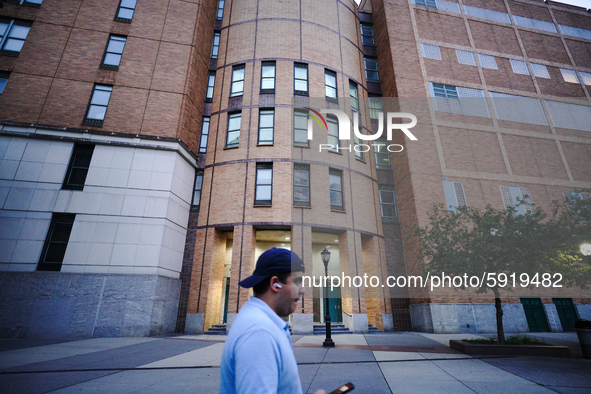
{"type": "Point", "coordinates": [331, 92]}
{"type": "Point", "coordinates": [19, 32]}
{"type": "Point", "coordinates": [238, 74]}
{"type": "Point", "coordinates": [301, 121]}
{"type": "Point", "coordinates": [13, 45]}
{"type": "Point", "coordinates": [100, 97]}
{"type": "Point", "coordinates": [301, 194]}
{"type": "Point", "coordinates": [128, 3]}
{"type": "Point", "coordinates": [3, 28]}
{"type": "Point", "coordinates": [266, 119]}
{"type": "Point", "coordinates": [336, 198]}
{"type": "Point", "coordinates": [264, 176]}
{"type": "Point", "coordinates": [301, 72]}
{"type": "Point", "coordinates": [233, 138]}
{"type": "Point", "coordinates": [234, 122]}
{"type": "Point", "coordinates": [388, 211]}
{"type": "Point", "coordinates": [330, 79]}
{"type": "Point", "coordinates": [112, 59]}
{"type": "Point", "coordinates": [301, 178]}
{"type": "Point", "coordinates": [116, 45]}
{"type": "Point", "coordinates": [387, 196]}
{"type": "Point", "coordinates": [268, 84]}
{"type": "Point", "coordinates": [268, 71]}
{"type": "Point", "coordinates": [237, 87]}
{"type": "Point", "coordinates": [335, 182]}
{"type": "Point", "coordinates": [301, 85]}
{"type": "Point", "coordinates": [96, 112]}
{"type": "Point", "coordinates": [263, 193]}
{"type": "Point", "coordinates": [2, 84]}
{"type": "Point", "coordinates": [125, 13]}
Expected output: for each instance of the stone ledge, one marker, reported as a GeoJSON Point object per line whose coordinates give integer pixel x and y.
{"type": "Point", "coordinates": [510, 350]}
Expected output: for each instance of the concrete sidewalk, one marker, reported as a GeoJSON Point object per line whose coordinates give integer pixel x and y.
{"type": "Point", "coordinates": [386, 363]}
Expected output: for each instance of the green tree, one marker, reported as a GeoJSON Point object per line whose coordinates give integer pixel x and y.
{"type": "Point", "coordinates": [497, 243]}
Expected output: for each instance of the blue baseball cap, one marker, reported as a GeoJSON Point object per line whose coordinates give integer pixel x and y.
{"type": "Point", "coordinates": [273, 261]}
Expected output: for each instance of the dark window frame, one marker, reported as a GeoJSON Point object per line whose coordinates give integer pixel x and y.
{"type": "Point", "coordinates": [215, 48]}
{"type": "Point", "coordinates": [369, 71]}
{"type": "Point", "coordinates": [363, 36]}
{"type": "Point", "coordinates": [197, 190]}
{"type": "Point", "coordinates": [302, 168]}
{"type": "Point", "coordinates": [4, 77]}
{"type": "Point", "coordinates": [96, 121]}
{"type": "Point", "coordinates": [26, 3]}
{"type": "Point", "coordinates": [6, 35]}
{"type": "Point", "coordinates": [263, 166]}
{"type": "Point", "coordinates": [210, 87]}
{"type": "Point", "coordinates": [303, 115]}
{"type": "Point", "coordinates": [78, 166]}
{"type": "Point", "coordinates": [339, 173]}
{"type": "Point", "coordinates": [124, 6]}
{"type": "Point", "coordinates": [332, 134]}
{"type": "Point", "coordinates": [231, 116]}
{"type": "Point", "coordinates": [266, 111]}
{"type": "Point", "coordinates": [387, 189]}
{"type": "Point", "coordinates": [221, 5]}
{"type": "Point", "coordinates": [204, 137]}
{"type": "Point", "coordinates": [331, 73]}
{"type": "Point", "coordinates": [295, 79]}
{"type": "Point", "coordinates": [354, 99]}
{"type": "Point", "coordinates": [236, 82]}
{"type": "Point", "coordinates": [108, 66]}
{"type": "Point", "coordinates": [56, 242]}
{"type": "Point", "coordinates": [264, 64]}
{"type": "Point", "coordinates": [382, 143]}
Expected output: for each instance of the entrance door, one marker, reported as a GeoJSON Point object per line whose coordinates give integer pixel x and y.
{"type": "Point", "coordinates": [566, 312]}
{"type": "Point", "coordinates": [334, 305]}
{"type": "Point", "coordinates": [535, 315]}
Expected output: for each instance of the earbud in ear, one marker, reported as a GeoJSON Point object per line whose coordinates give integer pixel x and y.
{"type": "Point", "coordinates": [277, 286]}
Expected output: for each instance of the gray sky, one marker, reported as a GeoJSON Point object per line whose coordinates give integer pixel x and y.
{"type": "Point", "coordinates": [580, 3]}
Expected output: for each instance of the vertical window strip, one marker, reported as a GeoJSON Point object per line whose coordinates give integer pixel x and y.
{"type": "Point", "coordinates": [431, 51]}
{"type": "Point", "coordinates": [197, 190]}
{"type": "Point", "coordinates": [519, 67]}
{"type": "Point", "coordinates": [233, 137]}
{"type": "Point", "coordinates": [569, 76]}
{"type": "Point", "coordinates": [4, 75]}
{"type": "Point", "coordinates": [376, 107]}
{"type": "Point", "coordinates": [266, 126]}
{"type": "Point", "coordinates": [268, 77]}
{"type": "Point", "coordinates": [367, 37]}
{"type": "Point", "coordinates": [330, 84]}
{"type": "Point", "coordinates": [336, 189]}
{"type": "Point", "coordinates": [204, 134]}
{"type": "Point", "coordinates": [56, 242]}
{"type": "Point", "coordinates": [78, 167]}
{"type": "Point", "coordinates": [381, 154]}
{"type": "Point", "coordinates": [114, 52]}
{"type": "Point", "coordinates": [540, 71]}
{"type": "Point", "coordinates": [371, 70]}
{"type": "Point", "coordinates": [357, 142]}
{"type": "Point", "coordinates": [210, 86]}
{"type": "Point", "coordinates": [488, 61]}
{"type": "Point", "coordinates": [354, 94]}
{"type": "Point", "coordinates": [333, 133]}
{"type": "Point", "coordinates": [237, 88]}
{"type": "Point", "coordinates": [263, 194]}
{"type": "Point", "coordinates": [388, 203]}
{"type": "Point", "coordinates": [99, 102]}
{"type": "Point", "coordinates": [126, 10]}
{"type": "Point", "coordinates": [300, 128]}
{"type": "Point", "coordinates": [465, 57]}
{"type": "Point", "coordinates": [300, 75]}
{"type": "Point", "coordinates": [215, 48]}
{"type": "Point", "coordinates": [301, 185]}
{"type": "Point", "coordinates": [220, 12]}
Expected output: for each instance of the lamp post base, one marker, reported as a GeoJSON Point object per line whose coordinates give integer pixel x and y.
{"type": "Point", "coordinates": [328, 343]}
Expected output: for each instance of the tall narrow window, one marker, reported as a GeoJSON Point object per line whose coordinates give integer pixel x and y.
{"type": "Point", "coordinates": [204, 134]}
{"type": "Point", "coordinates": [220, 13]}
{"type": "Point", "coordinates": [56, 242]}
{"type": "Point", "coordinates": [97, 109]}
{"type": "Point", "coordinates": [388, 202]}
{"type": "Point", "coordinates": [376, 107]}
{"type": "Point", "coordinates": [237, 88]}
{"type": "Point", "coordinates": [301, 185]}
{"type": "Point", "coordinates": [354, 94]}
{"type": "Point", "coordinates": [233, 137]}
{"type": "Point", "coordinates": [13, 34]}
{"type": "Point", "coordinates": [197, 190]}
{"type": "Point", "coordinates": [264, 184]}
{"type": "Point", "coordinates": [300, 128]}
{"type": "Point", "coordinates": [78, 167]}
{"type": "Point", "coordinates": [371, 70]}
{"type": "Point", "coordinates": [125, 11]}
{"type": "Point", "coordinates": [518, 197]}
{"type": "Point", "coordinates": [454, 195]}
{"type": "Point", "coordinates": [3, 80]}
{"type": "Point", "coordinates": [381, 154]}
{"type": "Point", "coordinates": [330, 84]}
{"type": "Point", "coordinates": [215, 48]}
{"type": "Point", "coordinates": [300, 77]}
{"type": "Point", "coordinates": [367, 34]}
{"type": "Point", "coordinates": [210, 87]}
{"type": "Point", "coordinates": [333, 133]}
{"type": "Point", "coordinates": [266, 126]}
{"type": "Point", "coordinates": [335, 179]}
{"type": "Point", "coordinates": [358, 151]}
{"type": "Point", "coordinates": [268, 77]}
{"type": "Point", "coordinates": [113, 53]}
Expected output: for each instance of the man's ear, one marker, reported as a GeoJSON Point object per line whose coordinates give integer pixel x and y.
{"type": "Point", "coordinates": [275, 284]}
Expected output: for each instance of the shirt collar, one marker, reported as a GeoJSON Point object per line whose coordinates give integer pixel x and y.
{"type": "Point", "coordinates": [262, 305]}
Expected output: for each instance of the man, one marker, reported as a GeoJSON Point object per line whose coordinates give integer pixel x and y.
{"type": "Point", "coordinates": [257, 356]}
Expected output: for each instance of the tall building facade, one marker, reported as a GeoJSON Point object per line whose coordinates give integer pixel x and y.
{"type": "Point", "coordinates": [150, 151]}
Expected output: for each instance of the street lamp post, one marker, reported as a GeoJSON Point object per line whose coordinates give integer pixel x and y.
{"type": "Point", "coordinates": [328, 342]}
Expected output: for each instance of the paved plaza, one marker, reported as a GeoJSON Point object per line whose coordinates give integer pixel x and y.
{"type": "Point", "coordinates": [381, 363]}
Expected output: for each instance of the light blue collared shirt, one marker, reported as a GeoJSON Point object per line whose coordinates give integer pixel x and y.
{"type": "Point", "coordinates": [257, 356]}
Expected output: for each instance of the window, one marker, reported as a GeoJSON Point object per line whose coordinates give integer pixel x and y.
{"type": "Point", "coordinates": [575, 32]}
{"type": "Point", "coordinates": [376, 107]}
{"type": "Point", "coordinates": [268, 77]}
{"type": "Point", "coordinates": [426, 3]}
{"type": "Point", "coordinates": [431, 51]}
{"type": "Point", "coordinates": [237, 88]}
{"type": "Point", "coordinates": [215, 48]}
{"type": "Point", "coordinates": [300, 128]}
{"type": "Point", "coordinates": [113, 53]}
{"type": "Point", "coordinates": [586, 77]}
{"type": "Point", "coordinates": [300, 79]}
{"type": "Point", "coordinates": [335, 179]}
{"type": "Point", "coordinates": [570, 116]}
{"type": "Point", "coordinates": [233, 137]}
{"type": "Point", "coordinates": [12, 36]}
{"type": "Point", "coordinates": [519, 67]}
{"type": "Point", "coordinates": [333, 133]}
{"type": "Point", "coordinates": [440, 4]}
{"type": "Point", "coordinates": [371, 70]}
{"type": "Point", "coordinates": [459, 100]}
{"type": "Point", "coordinates": [512, 196]}
{"type": "Point", "coordinates": [441, 90]}
{"type": "Point", "coordinates": [354, 93]}
{"type": "Point", "coordinates": [266, 126]}
{"type": "Point", "coordinates": [576, 195]}
{"type": "Point", "coordinates": [29, 3]}
{"type": "Point", "coordinates": [357, 142]}
{"type": "Point", "coordinates": [197, 190]}
{"type": "Point", "coordinates": [125, 11]}
{"type": "Point", "coordinates": [569, 76]}
{"type": "Point", "coordinates": [264, 184]}
{"type": "Point", "coordinates": [97, 108]}
{"type": "Point", "coordinates": [535, 24]}
{"type": "Point", "coordinates": [367, 34]}
{"type": "Point", "coordinates": [487, 61]}
{"type": "Point", "coordinates": [3, 80]}
{"type": "Point", "coordinates": [301, 185]}
{"type": "Point", "coordinates": [220, 13]}
{"type": "Point", "coordinates": [388, 202]}
{"type": "Point", "coordinates": [465, 57]}
{"type": "Point", "coordinates": [56, 242]}
{"type": "Point", "coordinates": [204, 134]}
{"type": "Point", "coordinates": [487, 14]}
{"type": "Point", "coordinates": [330, 84]}
{"type": "Point", "coordinates": [518, 108]}
{"type": "Point", "coordinates": [540, 70]}
{"type": "Point", "coordinates": [381, 154]}
{"type": "Point", "coordinates": [78, 167]}
{"type": "Point", "coordinates": [454, 195]}
{"type": "Point", "coordinates": [210, 86]}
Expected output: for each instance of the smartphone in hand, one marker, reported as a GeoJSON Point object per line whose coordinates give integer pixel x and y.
{"type": "Point", "coordinates": [344, 389]}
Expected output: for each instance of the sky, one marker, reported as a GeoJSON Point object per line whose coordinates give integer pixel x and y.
{"type": "Point", "coordinates": [580, 3]}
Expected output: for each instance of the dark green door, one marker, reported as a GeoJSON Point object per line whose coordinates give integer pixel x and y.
{"type": "Point", "coordinates": [535, 315]}
{"type": "Point", "coordinates": [566, 312]}
{"type": "Point", "coordinates": [226, 301]}
{"type": "Point", "coordinates": [334, 305]}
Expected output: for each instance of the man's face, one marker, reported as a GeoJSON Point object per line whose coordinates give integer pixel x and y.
{"type": "Point", "coordinates": [290, 294]}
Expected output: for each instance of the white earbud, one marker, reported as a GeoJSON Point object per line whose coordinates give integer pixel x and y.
{"type": "Point", "coordinates": [277, 286]}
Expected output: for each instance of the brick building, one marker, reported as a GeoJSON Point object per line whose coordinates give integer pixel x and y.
{"type": "Point", "coordinates": [151, 150]}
